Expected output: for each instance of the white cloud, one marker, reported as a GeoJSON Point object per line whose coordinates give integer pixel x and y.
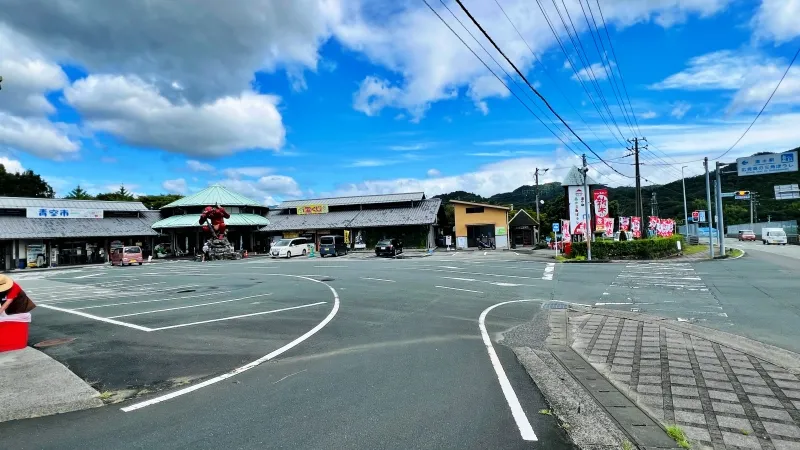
{"type": "Point", "coordinates": [648, 115]}
{"type": "Point", "coordinates": [177, 186]}
{"type": "Point", "coordinates": [752, 76]}
{"type": "Point", "coordinates": [269, 190]}
{"type": "Point", "coordinates": [680, 109]}
{"type": "Point", "coordinates": [410, 147]}
{"type": "Point", "coordinates": [596, 71]}
{"type": "Point", "coordinates": [503, 154]}
{"type": "Point", "coordinates": [434, 173]}
{"type": "Point", "coordinates": [11, 165]}
{"type": "Point", "coordinates": [137, 113]}
{"type": "Point", "coordinates": [520, 141]}
{"type": "Point", "coordinates": [776, 20]}
{"type": "Point", "coordinates": [253, 171]}
{"type": "Point", "coordinates": [372, 163]}
{"type": "Point", "coordinates": [38, 137]}
{"type": "Point", "coordinates": [197, 166]}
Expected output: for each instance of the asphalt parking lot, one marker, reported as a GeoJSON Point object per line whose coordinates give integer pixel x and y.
{"type": "Point", "coordinates": [345, 352]}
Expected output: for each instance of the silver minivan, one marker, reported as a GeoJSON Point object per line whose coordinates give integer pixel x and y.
{"type": "Point", "coordinates": [286, 248]}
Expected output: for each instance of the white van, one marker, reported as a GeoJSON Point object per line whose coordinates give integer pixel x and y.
{"type": "Point", "coordinates": [286, 248]}
{"type": "Point", "coordinates": [773, 236]}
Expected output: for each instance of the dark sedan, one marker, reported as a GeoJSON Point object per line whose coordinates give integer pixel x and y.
{"type": "Point", "coordinates": [389, 247]}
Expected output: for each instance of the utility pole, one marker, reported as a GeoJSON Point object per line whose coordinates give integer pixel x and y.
{"type": "Point", "coordinates": [587, 222]}
{"type": "Point", "coordinates": [685, 210]}
{"type": "Point", "coordinates": [653, 205]}
{"type": "Point", "coordinates": [639, 200]}
{"type": "Point", "coordinates": [708, 200]}
{"type": "Point", "coordinates": [720, 210]}
{"type": "Point", "coordinates": [538, 224]}
{"type": "Point", "coordinates": [752, 194]}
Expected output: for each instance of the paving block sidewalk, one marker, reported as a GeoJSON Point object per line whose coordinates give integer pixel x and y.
{"type": "Point", "coordinates": [720, 389]}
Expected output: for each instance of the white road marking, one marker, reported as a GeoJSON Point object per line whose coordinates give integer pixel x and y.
{"type": "Point", "coordinates": [523, 424]}
{"type": "Point", "coordinates": [450, 267]}
{"type": "Point", "coordinates": [290, 375]}
{"type": "Point", "coordinates": [88, 276]}
{"type": "Point", "coordinates": [101, 319]}
{"type": "Point", "coordinates": [459, 279]}
{"type": "Point", "coordinates": [457, 289]}
{"type": "Point", "coordinates": [549, 270]}
{"type": "Point", "coordinates": [331, 265]}
{"type": "Point", "coordinates": [249, 366]}
{"type": "Point", "coordinates": [240, 316]}
{"type": "Point", "coordinates": [495, 283]}
{"type": "Point", "coordinates": [152, 301]}
{"type": "Point", "coordinates": [153, 311]}
{"type": "Point", "coordinates": [613, 303]}
{"type": "Point", "coordinates": [377, 279]}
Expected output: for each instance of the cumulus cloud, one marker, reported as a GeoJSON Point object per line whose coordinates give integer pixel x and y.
{"type": "Point", "coordinates": [434, 173]}
{"type": "Point", "coordinates": [197, 166]}
{"type": "Point", "coordinates": [776, 20]}
{"type": "Point", "coordinates": [268, 189]}
{"type": "Point", "coordinates": [136, 112]}
{"type": "Point", "coordinates": [38, 137]}
{"type": "Point", "coordinates": [11, 165]}
{"type": "Point", "coordinates": [177, 186]}
{"type": "Point", "coordinates": [680, 109]}
{"type": "Point", "coordinates": [648, 115]}
{"type": "Point", "coordinates": [596, 71]}
{"type": "Point", "coordinates": [252, 171]}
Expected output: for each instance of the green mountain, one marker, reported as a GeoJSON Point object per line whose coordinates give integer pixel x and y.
{"type": "Point", "coordinates": [669, 198]}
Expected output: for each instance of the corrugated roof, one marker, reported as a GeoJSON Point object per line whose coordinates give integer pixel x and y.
{"type": "Point", "coordinates": [461, 202]}
{"type": "Point", "coordinates": [25, 228]}
{"type": "Point", "coordinates": [25, 202]}
{"type": "Point", "coordinates": [357, 200]}
{"type": "Point", "coordinates": [192, 220]}
{"type": "Point", "coordinates": [575, 178]}
{"type": "Point", "coordinates": [424, 213]}
{"type": "Point", "coordinates": [211, 195]}
{"type": "Point", "coordinates": [521, 218]}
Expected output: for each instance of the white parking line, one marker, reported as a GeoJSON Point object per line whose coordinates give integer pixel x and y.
{"type": "Point", "coordinates": [249, 366]}
{"type": "Point", "coordinates": [331, 265]}
{"type": "Point", "coordinates": [235, 317]}
{"type": "Point", "coordinates": [523, 424]}
{"type": "Point", "coordinates": [155, 300]}
{"type": "Point", "coordinates": [88, 276]}
{"type": "Point", "coordinates": [377, 279]}
{"type": "Point", "coordinates": [92, 316]}
{"type": "Point", "coordinates": [457, 289]}
{"type": "Point", "coordinates": [153, 311]}
{"type": "Point", "coordinates": [549, 271]}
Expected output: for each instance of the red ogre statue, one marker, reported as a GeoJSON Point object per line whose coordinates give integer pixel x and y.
{"type": "Point", "coordinates": [216, 215]}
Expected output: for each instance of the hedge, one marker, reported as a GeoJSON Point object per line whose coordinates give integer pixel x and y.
{"type": "Point", "coordinates": [636, 249]}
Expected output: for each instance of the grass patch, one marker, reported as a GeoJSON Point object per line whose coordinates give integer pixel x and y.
{"type": "Point", "coordinates": [676, 432]}
{"type": "Point", "coordinates": [694, 249]}
{"type": "Point", "coordinates": [546, 412]}
{"type": "Point", "coordinates": [626, 445]}
{"type": "Point", "coordinates": [734, 252]}
{"type": "Point", "coordinates": [745, 432]}
{"type": "Point", "coordinates": [105, 395]}
{"type": "Point", "coordinates": [561, 258]}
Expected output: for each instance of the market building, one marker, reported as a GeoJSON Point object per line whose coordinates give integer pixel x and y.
{"type": "Point", "coordinates": [523, 229]}
{"type": "Point", "coordinates": [180, 227]}
{"type": "Point", "coordinates": [363, 220]}
{"type": "Point", "coordinates": [41, 232]}
{"type": "Point", "coordinates": [476, 221]}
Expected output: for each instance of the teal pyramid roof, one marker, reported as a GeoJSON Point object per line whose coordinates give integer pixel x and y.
{"type": "Point", "coordinates": [211, 195]}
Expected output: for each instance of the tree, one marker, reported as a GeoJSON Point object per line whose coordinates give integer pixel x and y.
{"type": "Point", "coordinates": [122, 195]}
{"type": "Point", "coordinates": [79, 194]}
{"type": "Point", "coordinates": [25, 184]}
{"type": "Point", "coordinates": [158, 201]}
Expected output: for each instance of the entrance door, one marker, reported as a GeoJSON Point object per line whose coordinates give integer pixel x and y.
{"type": "Point", "coordinates": [475, 232]}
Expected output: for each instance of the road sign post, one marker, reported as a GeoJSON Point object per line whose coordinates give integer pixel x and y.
{"type": "Point", "coordinates": [556, 230]}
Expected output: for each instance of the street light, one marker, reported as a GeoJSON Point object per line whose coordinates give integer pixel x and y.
{"type": "Point", "coordinates": [685, 210]}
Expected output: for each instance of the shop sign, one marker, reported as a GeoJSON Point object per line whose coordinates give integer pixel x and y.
{"type": "Point", "coordinates": [64, 213]}
{"type": "Point", "coordinates": [500, 231]}
{"type": "Point", "coordinates": [290, 234]}
{"type": "Point", "coordinates": [312, 209]}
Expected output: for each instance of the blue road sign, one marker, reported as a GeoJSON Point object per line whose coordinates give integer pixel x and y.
{"type": "Point", "coordinates": [556, 227]}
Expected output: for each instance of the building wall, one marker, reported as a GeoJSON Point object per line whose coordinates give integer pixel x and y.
{"type": "Point", "coordinates": [489, 216]}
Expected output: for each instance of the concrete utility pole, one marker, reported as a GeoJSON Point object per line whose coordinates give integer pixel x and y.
{"type": "Point", "coordinates": [708, 199]}
{"type": "Point", "coordinates": [638, 180]}
{"type": "Point", "coordinates": [685, 209]}
{"type": "Point", "coordinates": [720, 210]}
{"type": "Point", "coordinates": [587, 222]}
{"type": "Point", "coordinates": [654, 205]}
{"type": "Point", "coordinates": [538, 224]}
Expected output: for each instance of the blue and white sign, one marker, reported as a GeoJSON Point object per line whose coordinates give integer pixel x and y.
{"type": "Point", "coordinates": [63, 213]}
{"type": "Point", "coordinates": [766, 164]}
{"type": "Point", "coordinates": [556, 227]}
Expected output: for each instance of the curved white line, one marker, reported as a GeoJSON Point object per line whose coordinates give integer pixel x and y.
{"type": "Point", "coordinates": [255, 363]}
{"type": "Point", "coordinates": [523, 424]}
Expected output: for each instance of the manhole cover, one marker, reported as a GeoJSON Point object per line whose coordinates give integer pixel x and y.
{"type": "Point", "coordinates": [185, 291]}
{"type": "Point", "coordinates": [555, 305]}
{"type": "Point", "coordinates": [52, 342]}
{"type": "Point", "coordinates": [326, 279]}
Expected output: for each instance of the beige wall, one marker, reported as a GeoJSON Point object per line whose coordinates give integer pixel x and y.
{"type": "Point", "coordinates": [498, 217]}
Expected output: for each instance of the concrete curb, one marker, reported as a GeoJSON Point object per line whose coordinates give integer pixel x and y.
{"type": "Point", "coordinates": [769, 353]}
{"type": "Point", "coordinates": [35, 385]}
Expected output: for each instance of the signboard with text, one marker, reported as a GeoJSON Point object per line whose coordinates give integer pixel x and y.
{"type": "Point", "coordinates": [767, 164]}
{"type": "Point", "coordinates": [312, 209]}
{"type": "Point", "coordinates": [787, 192]}
{"type": "Point", "coordinates": [63, 213]}
{"type": "Point", "coordinates": [600, 208]}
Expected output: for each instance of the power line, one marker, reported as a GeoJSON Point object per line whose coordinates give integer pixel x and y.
{"type": "Point", "coordinates": [497, 76]}
{"type": "Point", "coordinates": [763, 108]}
{"type": "Point", "coordinates": [525, 79]}
{"type": "Point", "coordinates": [544, 69]}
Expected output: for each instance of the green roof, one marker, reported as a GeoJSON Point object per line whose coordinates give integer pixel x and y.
{"type": "Point", "coordinates": [211, 195]}
{"type": "Point", "coordinates": [192, 220]}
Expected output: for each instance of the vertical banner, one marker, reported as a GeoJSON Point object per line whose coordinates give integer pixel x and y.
{"type": "Point", "coordinates": [624, 223]}
{"type": "Point", "coordinates": [636, 227]}
{"type": "Point", "coordinates": [577, 207]}
{"type": "Point", "coordinates": [566, 236]}
{"type": "Point", "coordinates": [608, 227]}
{"type": "Point", "coordinates": [600, 208]}
{"type": "Point", "coordinates": [654, 221]}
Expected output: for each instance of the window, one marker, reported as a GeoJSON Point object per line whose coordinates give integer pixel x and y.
{"type": "Point", "coordinates": [327, 240]}
{"type": "Point", "coordinates": [475, 210]}
{"type": "Point", "coordinates": [133, 250]}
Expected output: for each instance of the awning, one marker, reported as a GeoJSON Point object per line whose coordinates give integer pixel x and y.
{"type": "Point", "coordinates": [34, 228]}
{"type": "Point", "coordinates": [192, 221]}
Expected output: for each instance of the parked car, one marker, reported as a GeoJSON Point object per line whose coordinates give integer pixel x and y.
{"type": "Point", "coordinates": [747, 235]}
{"type": "Point", "coordinates": [389, 247]}
{"type": "Point", "coordinates": [121, 256]}
{"type": "Point", "coordinates": [773, 236]}
{"type": "Point", "coordinates": [332, 245]}
{"type": "Point", "coordinates": [286, 248]}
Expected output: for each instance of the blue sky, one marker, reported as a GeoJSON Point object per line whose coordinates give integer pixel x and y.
{"type": "Point", "coordinates": [314, 98]}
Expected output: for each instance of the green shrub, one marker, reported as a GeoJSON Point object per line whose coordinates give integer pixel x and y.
{"type": "Point", "coordinates": [637, 249]}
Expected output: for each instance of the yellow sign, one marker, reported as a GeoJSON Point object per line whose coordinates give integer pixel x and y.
{"type": "Point", "coordinates": [347, 236]}
{"type": "Point", "coordinates": [290, 234]}
{"type": "Point", "coordinates": [312, 209]}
